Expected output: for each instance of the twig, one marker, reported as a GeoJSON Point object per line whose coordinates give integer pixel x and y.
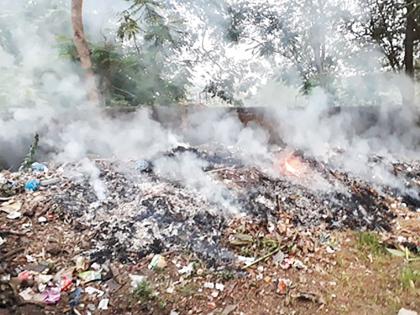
{"type": "Point", "coordinates": [262, 258]}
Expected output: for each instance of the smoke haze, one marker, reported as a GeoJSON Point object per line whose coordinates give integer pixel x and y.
{"type": "Point", "coordinates": [43, 93]}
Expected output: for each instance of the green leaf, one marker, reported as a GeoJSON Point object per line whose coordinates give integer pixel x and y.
{"type": "Point", "coordinates": [395, 252]}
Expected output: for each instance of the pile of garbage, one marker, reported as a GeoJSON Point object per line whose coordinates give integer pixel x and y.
{"type": "Point", "coordinates": [133, 209]}
{"type": "Point", "coordinates": [144, 212]}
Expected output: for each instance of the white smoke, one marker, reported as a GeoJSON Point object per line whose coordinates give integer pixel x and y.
{"type": "Point", "coordinates": [42, 92]}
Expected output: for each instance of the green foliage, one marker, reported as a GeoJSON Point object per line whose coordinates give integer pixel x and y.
{"type": "Point", "coordinates": [381, 23]}
{"type": "Point", "coordinates": [155, 23]}
{"type": "Point", "coordinates": [370, 242]}
{"type": "Point", "coordinates": [226, 275]}
{"type": "Point", "coordinates": [144, 292]}
{"type": "Point", "coordinates": [128, 28]}
{"type": "Point", "coordinates": [224, 90]}
{"type": "Point", "coordinates": [127, 78]}
{"type": "Point", "coordinates": [410, 277]}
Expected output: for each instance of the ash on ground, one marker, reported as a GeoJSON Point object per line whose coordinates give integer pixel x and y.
{"type": "Point", "coordinates": [149, 210]}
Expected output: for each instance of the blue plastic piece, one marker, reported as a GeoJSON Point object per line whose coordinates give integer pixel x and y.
{"type": "Point", "coordinates": [32, 185]}
{"type": "Point", "coordinates": [38, 167]}
{"type": "Point", "coordinates": [75, 297]}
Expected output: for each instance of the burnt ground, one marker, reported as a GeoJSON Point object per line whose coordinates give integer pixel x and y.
{"type": "Point", "coordinates": [317, 241]}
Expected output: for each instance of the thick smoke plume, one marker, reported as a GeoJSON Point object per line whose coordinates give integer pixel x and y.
{"type": "Point", "coordinates": [43, 93]}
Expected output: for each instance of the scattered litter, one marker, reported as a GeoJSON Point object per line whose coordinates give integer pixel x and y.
{"type": "Point", "coordinates": [286, 263]}
{"type": "Point", "coordinates": [32, 185]}
{"type": "Point", "coordinates": [330, 250]}
{"type": "Point", "coordinates": [208, 285]}
{"type": "Point", "coordinates": [82, 263]}
{"type": "Point", "coordinates": [39, 167]}
{"type": "Point", "coordinates": [246, 260]}
{"type": "Point", "coordinates": [92, 290]}
{"type": "Point", "coordinates": [91, 307]}
{"type": "Point", "coordinates": [311, 297]}
{"type": "Point", "coordinates": [283, 286]}
{"type": "Point", "coordinates": [157, 217]}
{"type": "Point", "coordinates": [95, 266]}
{"type": "Point", "coordinates": [103, 304]}
{"type": "Point", "coordinates": [298, 264]}
{"type": "Point", "coordinates": [75, 297]}
{"type": "Point", "coordinates": [51, 295]}
{"type": "Point", "coordinates": [25, 276]}
{"type": "Point", "coordinates": [11, 206]}
{"type": "Point", "coordinates": [29, 295]}
{"type": "Point", "coordinates": [136, 280]}
{"type": "Point", "coordinates": [89, 276]}
{"type": "Point", "coordinates": [219, 286]}
{"type": "Point", "coordinates": [42, 220]}
{"type": "Point", "coordinates": [404, 311]}
{"type": "Point", "coordinates": [279, 257]}
{"type": "Point", "coordinates": [14, 215]}
{"type": "Point", "coordinates": [158, 262]}
{"type": "Point", "coordinates": [40, 278]}
{"type": "Point", "coordinates": [66, 283]}
{"type": "Point", "coordinates": [187, 270]}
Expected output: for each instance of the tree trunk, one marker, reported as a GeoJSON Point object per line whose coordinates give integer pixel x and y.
{"type": "Point", "coordinates": [409, 49]}
{"type": "Point", "coordinates": [83, 50]}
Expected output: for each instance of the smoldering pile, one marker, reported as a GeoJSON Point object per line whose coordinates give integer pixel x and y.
{"type": "Point", "coordinates": [149, 210]}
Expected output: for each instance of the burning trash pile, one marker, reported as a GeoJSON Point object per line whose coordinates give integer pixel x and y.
{"type": "Point", "coordinates": [138, 208]}
{"type": "Point", "coordinates": [187, 199]}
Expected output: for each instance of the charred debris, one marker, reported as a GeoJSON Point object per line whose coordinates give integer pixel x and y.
{"type": "Point", "coordinates": [145, 213]}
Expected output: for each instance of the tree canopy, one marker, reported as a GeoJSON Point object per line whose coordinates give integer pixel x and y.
{"type": "Point", "coordinates": [166, 51]}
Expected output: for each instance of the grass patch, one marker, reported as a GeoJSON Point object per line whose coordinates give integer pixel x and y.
{"type": "Point", "coordinates": [410, 277]}
{"type": "Point", "coordinates": [187, 290]}
{"type": "Point", "coordinates": [226, 275]}
{"type": "Point", "coordinates": [370, 242]}
{"type": "Point", "coordinates": [144, 292]}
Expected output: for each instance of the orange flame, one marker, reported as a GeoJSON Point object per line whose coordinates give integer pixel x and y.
{"type": "Point", "coordinates": [292, 165]}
